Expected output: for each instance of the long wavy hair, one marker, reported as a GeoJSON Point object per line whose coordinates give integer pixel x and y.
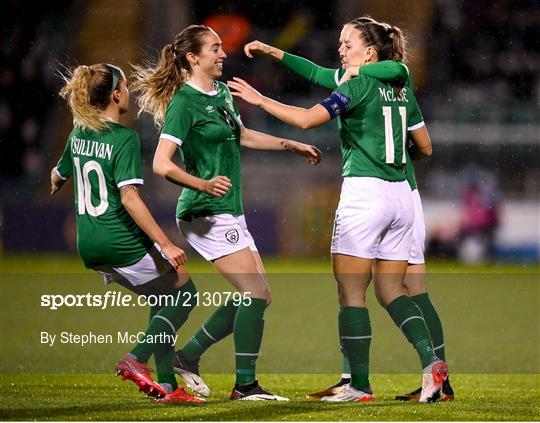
{"type": "Point", "coordinates": [155, 84]}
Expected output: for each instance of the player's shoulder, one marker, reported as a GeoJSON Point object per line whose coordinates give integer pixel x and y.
{"type": "Point", "coordinates": [181, 102]}
{"type": "Point", "coordinates": [223, 89]}
{"type": "Point", "coordinates": [122, 134]}
{"type": "Point", "coordinates": [181, 97]}
{"type": "Point", "coordinates": [120, 129]}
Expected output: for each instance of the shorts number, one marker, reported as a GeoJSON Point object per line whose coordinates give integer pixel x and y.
{"type": "Point", "coordinates": [84, 189]}
{"type": "Point", "coordinates": [389, 133]}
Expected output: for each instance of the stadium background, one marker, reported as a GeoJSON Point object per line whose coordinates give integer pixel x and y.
{"type": "Point", "coordinates": [475, 66]}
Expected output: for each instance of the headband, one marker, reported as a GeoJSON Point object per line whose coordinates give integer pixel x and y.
{"type": "Point", "coordinates": [116, 76]}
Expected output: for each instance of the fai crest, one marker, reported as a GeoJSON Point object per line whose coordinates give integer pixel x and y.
{"type": "Point", "coordinates": [232, 236]}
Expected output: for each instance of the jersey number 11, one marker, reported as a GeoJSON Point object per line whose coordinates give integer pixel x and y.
{"type": "Point", "coordinates": [389, 133]}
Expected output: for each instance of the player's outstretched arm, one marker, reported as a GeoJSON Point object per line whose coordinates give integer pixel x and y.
{"type": "Point", "coordinates": [135, 206]}
{"type": "Point", "coordinates": [421, 147]}
{"type": "Point", "coordinates": [260, 141]}
{"type": "Point", "coordinates": [260, 48]}
{"type": "Point", "coordinates": [325, 77]}
{"type": "Point", "coordinates": [56, 181]}
{"type": "Point", "coordinates": [295, 116]}
{"type": "Point", "coordinates": [387, 71]}
{"type": "Point", "coordinates": [165, 167]}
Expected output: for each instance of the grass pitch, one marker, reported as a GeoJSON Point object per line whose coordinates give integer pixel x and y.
{"type": "Point", "coordinates": [490, 314]}
{"type": "Point", "coordinates": [83, 397]}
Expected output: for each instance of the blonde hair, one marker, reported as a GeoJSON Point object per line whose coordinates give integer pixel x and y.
{"type": "Point", "coordinates": [87, 92]}
{"type": "Point", "coordinates": [155, 84]}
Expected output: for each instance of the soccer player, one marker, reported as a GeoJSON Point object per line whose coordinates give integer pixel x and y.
{"type": "Point", "coordinates": [116, 234]}
{"type": "Point", "coordinates": [199, 118]}
{"type": "Point", "coordinates": [374, 219]}
{"type": "Point", "coordinates": [415, 278]}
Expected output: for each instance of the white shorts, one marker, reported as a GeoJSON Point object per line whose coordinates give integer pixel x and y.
{"type": "Point", "coordinates": [374, 219]}
{"type": "Point", "coordinates": [419, 231]}
{"type": "Point", "coordinates": [152, 265]}
{"type": "Point", "coordinates": [217, 236]}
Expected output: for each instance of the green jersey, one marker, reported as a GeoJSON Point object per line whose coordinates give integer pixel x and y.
{"type": "Point", "coordinates": [387, 71]}
{"type": "Point", "coordinates": [101, 163]}
{"type": "Point", "coordinates": [373, 125]}
{"type": "Point", "coordinates": [206, 127]}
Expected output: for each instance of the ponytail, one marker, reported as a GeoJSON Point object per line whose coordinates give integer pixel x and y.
{"type": "Point", "coordinates": [399, 44]}
{"type": "Point", "coordinates": [389, 41]}
{"type": "Point", "coordinates": [156, 83]}
{"type": "Point", "coordinates": [87, 92]}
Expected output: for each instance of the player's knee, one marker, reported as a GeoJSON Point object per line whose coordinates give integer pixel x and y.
{"type": "Point", "coordinates": [352, 299]}
{"type": "Point", "coordinates": [261, 291]}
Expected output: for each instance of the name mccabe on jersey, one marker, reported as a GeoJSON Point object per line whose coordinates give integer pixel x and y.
{"type": "Point", "coordinates": [390, 95]}
{"type": "Point", "coordinates": [96, 149]}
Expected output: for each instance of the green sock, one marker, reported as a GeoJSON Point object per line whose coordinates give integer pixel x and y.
{"type": "Point", "coordinates": [355, 330]}
{"type": "Point", "coordinates": [218, 326]}
{"type": "Point", "coordinates": [161, 355]}
{"type": "Point", "coordinates": [248, 331]}
{"type": "Point", "coordinates": [153, 311]}
{"type": "Point", "coordinates": [433, 323]}
{"type": "Point", "coordinates": [166, 321]}
{"type": "Point", "coordinates": [408, 317]}
{"type": "Point", "coordinates": [346, 368]}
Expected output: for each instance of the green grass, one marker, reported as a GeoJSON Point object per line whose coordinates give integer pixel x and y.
{"type": "Point", "coordinates": [490, 315]}
{"type": "Point", "coordinates": [67, 263]}
{"type": "Point", "coordinates": [82, 397]}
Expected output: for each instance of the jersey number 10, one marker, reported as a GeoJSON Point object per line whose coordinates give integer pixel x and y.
{"type": "Point", "coordinates": [389, 133]}
{"type": "Point", "coordinates": [84, 189]}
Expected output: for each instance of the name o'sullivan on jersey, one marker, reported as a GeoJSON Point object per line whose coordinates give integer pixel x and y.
{"type": "Point", "coordinates": [89, 338]}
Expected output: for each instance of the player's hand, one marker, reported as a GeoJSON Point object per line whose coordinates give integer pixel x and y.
{"type": "Point", "coordinates": [176, 256]}
{"type": "Point", "coordinates": [353, 70]}
{"type": "Point", "coordinates": [310, 152]}
{"type": "Point", "coordinates": [256, 47]}
{"type": "Point", "coordinates": [245, 91]}
{"type": "Point", "coordinates": [56, 181]}
{"type": "Point", "coordinates": [217, 186]}
{"type": "Point", "coordinates": [350, 72]}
